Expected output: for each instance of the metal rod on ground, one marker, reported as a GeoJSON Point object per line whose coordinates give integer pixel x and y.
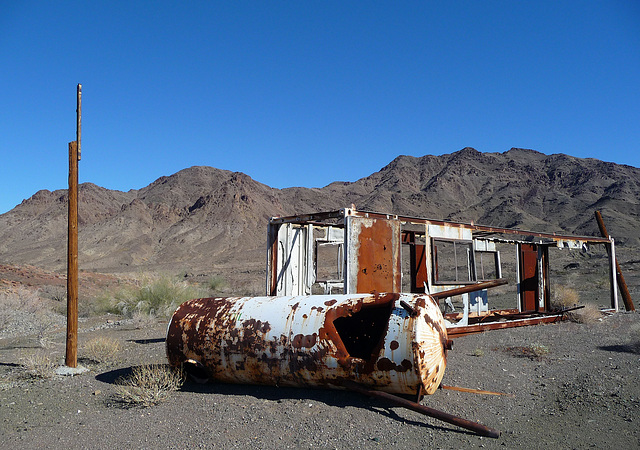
{"type": "Point", "coordinates": [624, 290]}
{"type": "Point", "coordinates": [474, 391]}
{"type": "Point", "coordinates": [71, 355]}
{"type": "Point", "coordinates": [441, 415]}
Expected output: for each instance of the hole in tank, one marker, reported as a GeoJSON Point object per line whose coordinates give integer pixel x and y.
{"type": "Point", "coordinates": [362, 333]}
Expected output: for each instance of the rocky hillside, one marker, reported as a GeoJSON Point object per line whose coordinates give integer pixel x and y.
{"type": "Point", "coordinates": [206, 219]}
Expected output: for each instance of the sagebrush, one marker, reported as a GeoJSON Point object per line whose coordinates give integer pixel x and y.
{"type": "Point", "coordinates": [101, 349]}
{"type": "Point", "coordinates": [38, 364]}
{"type": "Point", "coordinates": [148, 385]}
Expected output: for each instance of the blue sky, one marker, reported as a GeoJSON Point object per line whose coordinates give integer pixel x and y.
{"type": "Point", "coordinates": [306, 93]}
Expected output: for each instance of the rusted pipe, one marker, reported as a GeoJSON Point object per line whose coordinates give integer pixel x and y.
{"type": "Point", "coordinates": [427, 411]}
{"type": "Point", "coordinates": [470, 288]}
{"type": "Point", "coordinates": [408, 308]}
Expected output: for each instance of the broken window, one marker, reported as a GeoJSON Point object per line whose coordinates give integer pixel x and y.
{"type": "Point", "coordinates": [452, 261]}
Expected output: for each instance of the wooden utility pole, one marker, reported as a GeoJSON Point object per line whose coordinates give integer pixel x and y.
{"type": "Point", "coordinates": [71, 357]}
{"type": "Point", "coordinates": [624, 290]}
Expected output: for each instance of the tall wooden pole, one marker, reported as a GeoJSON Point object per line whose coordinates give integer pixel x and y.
{"type": "Point", "coordinates": [71, 357]}
{"type": "Point", "coordinates": [622, 284]}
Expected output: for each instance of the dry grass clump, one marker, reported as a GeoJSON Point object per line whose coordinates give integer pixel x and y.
{"type": "Point", "coordinates": [143, 320]}
{"type": "Point", "coordinates": [564, 297]}
{"type": "Point", "coordinates": [102, 349]}
{"type": "Point", "coordinates": [587, 315]}
{"type": "Point", "coordinates": [148, 385]}
{"type": "Point", "coordinates": [38, 364]}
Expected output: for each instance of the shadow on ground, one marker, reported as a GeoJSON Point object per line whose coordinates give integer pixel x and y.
{"type": "Point", "coordinates": [628, 348]}
{"type": "Point", "coordinates": [274, 393]}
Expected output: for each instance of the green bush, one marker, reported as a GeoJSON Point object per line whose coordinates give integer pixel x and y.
{"type": "Point", "coordinates": [159, 298]}
{"type": "Point", "coordinates": [216, 284]}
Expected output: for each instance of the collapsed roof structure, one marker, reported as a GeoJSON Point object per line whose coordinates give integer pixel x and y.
{"type": "Point", "coordinates": [350, 251]}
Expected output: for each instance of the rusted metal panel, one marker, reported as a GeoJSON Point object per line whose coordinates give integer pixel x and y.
{"type": "Point", "coordinates": [373, 255]}
{"type": "Point", "coordinates": [313, 340]}
{"type": "Point", "coordinates": [272, 258]}
{"type": "Point", "coordinates": [529, 276]}
{"type": "Point", "coordinates": [419, 267]}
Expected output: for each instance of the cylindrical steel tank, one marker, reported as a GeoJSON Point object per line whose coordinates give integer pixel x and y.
{"type": "Point", "coordinates": [393, 342]}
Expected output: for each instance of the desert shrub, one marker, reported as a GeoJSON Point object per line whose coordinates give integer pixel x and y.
{"type": "Point", "coordinates": [587, 315]}
{"type": "Point", "coordinates": [113, 301]}
{"type": "Point", "coordinates": [564, 297]}
{"type": "Point", "coordinates": [38, 364]}
{"type": "Point", "coordinates": [101, 349]}
{"type": "Point", "coordinates": [163, 296]}
{"type": "Point", "coordinates": [158, 298]}
{"type": "Point", "coordinates": [216, 284]}
{"type": "Point", "coordinates": [148, 385]}
{"type": "Point", "coordinates": [143, 320]}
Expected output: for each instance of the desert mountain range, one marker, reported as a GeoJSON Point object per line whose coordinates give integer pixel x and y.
{"type": "Point", "coordinates": [206, 219]}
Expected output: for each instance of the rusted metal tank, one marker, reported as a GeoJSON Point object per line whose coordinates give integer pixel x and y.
{"type": "Point", "coordinates": [393, 342]}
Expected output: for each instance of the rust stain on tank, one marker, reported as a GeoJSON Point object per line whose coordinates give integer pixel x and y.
{"type": "Point", "coordinates": [385, 364]}
{"type": "Point", "coordinates": [302, 341]}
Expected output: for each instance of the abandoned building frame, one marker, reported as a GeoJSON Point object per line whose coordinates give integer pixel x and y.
{"type": "Point", "coordinates": [350, 251]}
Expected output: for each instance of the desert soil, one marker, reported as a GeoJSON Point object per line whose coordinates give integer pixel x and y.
{"type": "Point", "coordinates": [580, 390]}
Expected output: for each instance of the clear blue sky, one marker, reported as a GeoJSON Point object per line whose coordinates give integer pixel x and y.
{"type": "Point", "coordinates": [306, 93]}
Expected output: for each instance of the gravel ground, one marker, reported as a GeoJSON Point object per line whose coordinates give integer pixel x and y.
{"type": "Point", "coordinates": [573, 386]}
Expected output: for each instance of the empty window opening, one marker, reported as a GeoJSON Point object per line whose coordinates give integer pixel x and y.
{"type": "Point", "coordinates": [328, 263]}
{"type": "Point", "coordinates": [329, 258]}
{"type": "Point", "coordinates": [487, 265]}
{"type": "Point", "coordinates": [362, 333]}
{"type": "Point", "coordinates": [414, 266]}
{"type": "Point", "coordinates": [452, 262]}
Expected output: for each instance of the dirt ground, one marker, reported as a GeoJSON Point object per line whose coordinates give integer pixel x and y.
{"type": "Point", "coordinates": [572, 385]}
